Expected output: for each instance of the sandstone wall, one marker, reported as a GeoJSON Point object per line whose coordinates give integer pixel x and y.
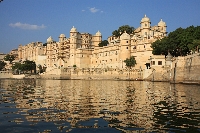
{"type": "Point", "coordinates": [5, 74]}
{"type": "Point", "coordinates": [187, 69]}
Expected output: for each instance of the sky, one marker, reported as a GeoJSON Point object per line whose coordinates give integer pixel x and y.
{"type": "Point", "coordinates": [26, 21]}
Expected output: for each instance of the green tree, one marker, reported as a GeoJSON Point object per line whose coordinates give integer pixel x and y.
{"type": "Point", "coordinates": [178, 42]}
{"type": "Point", "coordinates": [122, 29]}
{"type": "Point", "coordinates": [194, 46]}
{"type": "Point", "coordinates": [103, 43]}
{"type": "Point", "coordinates": [29, 66]}
{"type": "Point", "coordinates": [9, 58]}
{"type": "Point", "coordinates": [2, 65]}
{"type": "Point", "coordinates": [16, 67]}
{"type": "Point", "coordinates": [130, 62]}
{"type": "Point", "coordinates": [25, 66]}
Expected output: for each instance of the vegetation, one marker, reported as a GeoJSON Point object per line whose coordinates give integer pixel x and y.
{"type": "Point", "coordinates": [45, 44]}
{"type": "Point", "coordinates": [103, 43]}
{"type": "Point", "coordinates": [179, 42]}
{"type": "Point", "coordinates": [122, 29]}
{"type": "Point", "coordinates": [131, 62]}
{"type": "Point", "coordinates": [25, 66]}
{"type": "Point", "coordinates": [9, 58]}
{"type": "Point", "coordinates": [2, 65]}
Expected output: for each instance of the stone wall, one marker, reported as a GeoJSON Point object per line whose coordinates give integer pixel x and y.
{"type": "Point", "coordinates": [5, 74]}
{"type": "Point", "coordinates": [186, 69]}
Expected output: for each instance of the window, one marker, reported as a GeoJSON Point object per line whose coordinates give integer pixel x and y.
{"type": "Point", "coordinates": [145, 25]}
{"type": "Point", "coordinates": [152, 62]}
{"type": "Point", "coordinates": [126, 47]}
{"type": "Point", "coordinates": [126, 41]}
{"type": "Point", "coordinates": [159, 62]}
{"type": "Point", "coordinates": [144, 46]}
{"type": "Point", "coordinates": [145, 33]}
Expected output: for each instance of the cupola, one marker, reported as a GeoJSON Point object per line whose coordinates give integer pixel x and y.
{"type": "Point", "coordinates": [73, 29]}
{"type": "Point", "coordinates": [125, 36]}
{"type": "Point", "coordinates": [98, 33]}
{"type": "Point", "coordinates": [161, 23]}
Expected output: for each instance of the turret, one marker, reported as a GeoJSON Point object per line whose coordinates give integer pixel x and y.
{"type": "Point", "coordinates": [145, 25]}
{"type": "Point", "coordinates": [162, 27]}
{"type": "Point", "coordinates": [125, 48]}
{"type": "Point", "coordinates": [50, 40]}
{"type": "Point", "coordinates": [96, 39]}
{"type": "Point", "coordinates": [62, 38]}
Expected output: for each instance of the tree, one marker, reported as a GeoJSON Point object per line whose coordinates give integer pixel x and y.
{"type": "Point", "coordinates": [29, 66]}
{"type": "Point", "coordinates": [194, 46]}
{"type": "Point", "coordinates": [131, 62]}
{"type": "Point", "coordinates": [9, 58]}
{"type": "Point", "coordinates": [122, 29]}
{"type": "Point", "coordinates": [178, 42]}
{"type": "Point", "coordinates": [2, 65]}
{"type": "Point", "coordinates": [103, 43]}
{"type": "Point", "coordinates": [25, 66]}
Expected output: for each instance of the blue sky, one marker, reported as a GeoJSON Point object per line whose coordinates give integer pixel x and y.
{"type": "Point", "coordinates": [25, 21]}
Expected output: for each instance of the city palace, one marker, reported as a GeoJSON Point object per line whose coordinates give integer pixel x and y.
{"type": "Point", "coordinates": [81, 50]}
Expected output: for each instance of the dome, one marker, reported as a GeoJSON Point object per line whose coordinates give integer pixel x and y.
{"type": "Point", "coordinates": [134, 37]}
{"type": "Point", "coordinates": [125, 36]}
{"type": "Point", "coordinates": [145, 19]}
{"type": "Point", "coordinates": [161, 23]}
{"type": "Point", "coordinates": [169, 57]}
{"type": "Point", "coordinates": [50, 39]}
{"type": "Point", "coordinates": [73, 29]}
{"type": "Point", "coordinates": [98, 33]}
{"type": "Point", "coordinates": [62, 36]}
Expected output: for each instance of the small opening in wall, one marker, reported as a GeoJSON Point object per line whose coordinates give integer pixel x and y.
{"type": "Point", "coordinates": [159, 62]}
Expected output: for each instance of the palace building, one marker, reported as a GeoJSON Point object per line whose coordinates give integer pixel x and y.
{"type": "Point", "coordinates": [81, 50]}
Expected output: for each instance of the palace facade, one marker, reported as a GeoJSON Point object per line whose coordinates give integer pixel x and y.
{"type": "Point", "coordinates": [81, 50]}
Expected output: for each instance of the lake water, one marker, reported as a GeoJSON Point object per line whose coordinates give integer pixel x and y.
{"type": "Point", "coordinates": [98, 106]}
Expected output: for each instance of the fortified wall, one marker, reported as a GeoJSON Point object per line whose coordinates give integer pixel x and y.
{"type": "Point", "coordinates": [178, 70]}
{"type": "Point", "coordinates": [186, 69]}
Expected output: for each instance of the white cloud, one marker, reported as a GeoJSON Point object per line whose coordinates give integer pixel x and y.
{"type": "Point", "coordinates": [83, 10]}
{"type": "Point", "coordinates": [93, 10]}
{"type": "Point", "coordinates": [27, 26]}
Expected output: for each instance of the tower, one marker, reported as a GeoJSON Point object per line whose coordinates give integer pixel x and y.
{"type": "Point", "coordinates": [73, 45]}
{"type": "Point", "coordinates": [145, 26]}
{"type": "Point", "coordinates": [125, 49]}
{"type": "Point", "coordinates": [96, 39]}
{"type": "Point", "coordinates": [62, 38]}
{"type": "Point", "coordinates": [162, 27]}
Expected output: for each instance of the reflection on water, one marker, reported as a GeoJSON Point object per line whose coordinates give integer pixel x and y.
{"type": "Point", "coordinates": [98, 106]}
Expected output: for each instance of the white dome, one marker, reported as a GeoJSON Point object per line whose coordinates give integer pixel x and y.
{"type": "Point", "coordinates": [98, 33]}
{"type": "Point", "coordinates": [161, 23]}
{"type": "Point", "coordinates": [50, 39]}
{"type": "Point", "coordinates": [73, 29]}
{"type": "Point", "coordinates": [62, 36]}
{"type": "Point", "coordinates": [145, 19]}
{"type": "Point", "coordinates": [125, 36]}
